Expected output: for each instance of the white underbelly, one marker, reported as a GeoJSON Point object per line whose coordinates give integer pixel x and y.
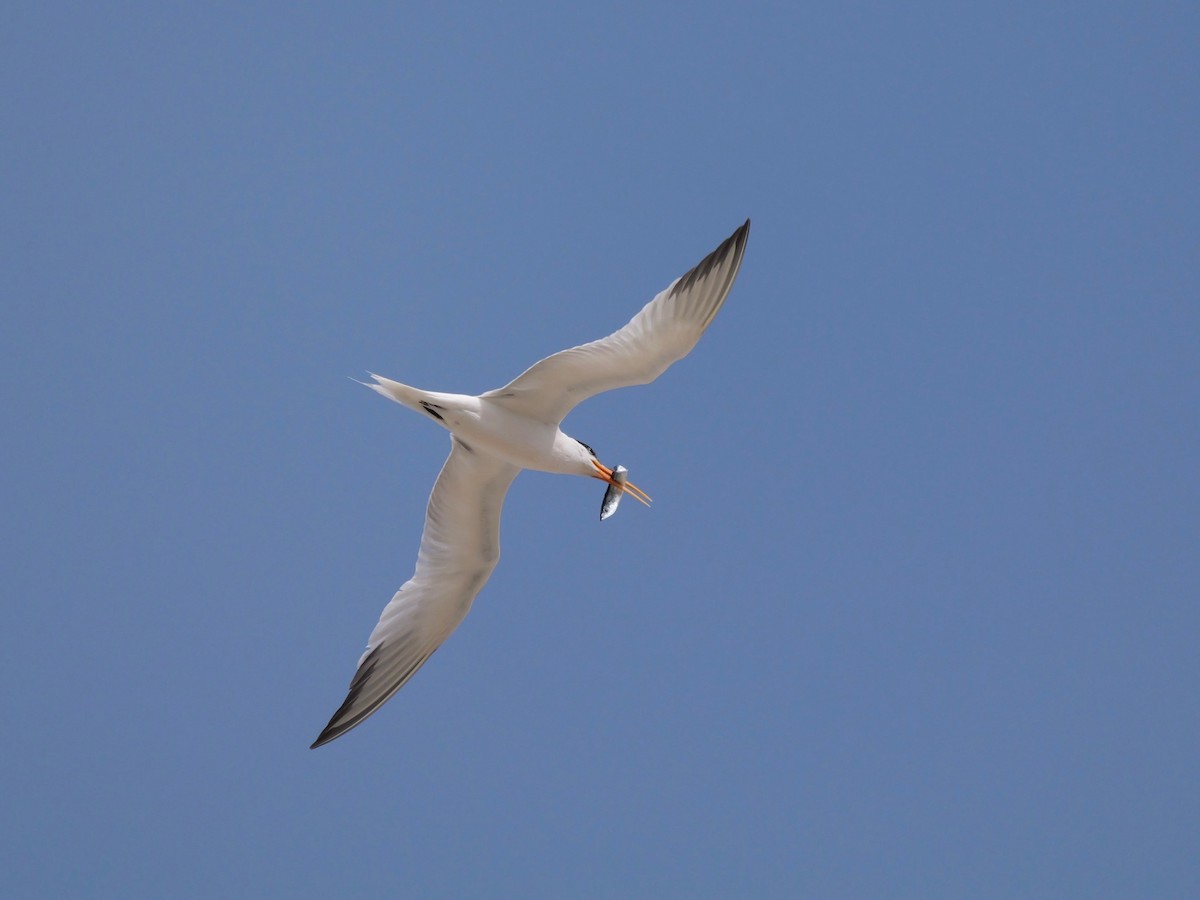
{"type": "Point", "coordinates": [515, 439]}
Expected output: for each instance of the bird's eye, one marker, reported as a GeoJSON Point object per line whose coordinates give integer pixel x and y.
{"type": "Point", "coordinates": [585, 447]}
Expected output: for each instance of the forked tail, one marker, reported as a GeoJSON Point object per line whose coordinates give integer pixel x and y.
{"type": "Point", "coordinates": [394, 390]}
{"type": "Point", "coordinates": [442, 407]}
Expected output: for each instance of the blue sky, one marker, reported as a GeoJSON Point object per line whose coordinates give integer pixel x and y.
{"type": "Point", "coordinates": [915, 613]}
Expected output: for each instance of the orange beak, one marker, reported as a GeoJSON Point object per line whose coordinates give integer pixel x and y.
{"type": "Point", "coordinates": [604, 473]}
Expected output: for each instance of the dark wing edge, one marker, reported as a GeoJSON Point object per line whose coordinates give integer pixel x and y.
{"type": "Point", "coordinates": [730, 254]}
{"type": "Point", "coordinates": [349, 714]}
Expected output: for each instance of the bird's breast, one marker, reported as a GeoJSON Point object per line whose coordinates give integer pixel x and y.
{"type": "Point", "coordinates": [513, 438]}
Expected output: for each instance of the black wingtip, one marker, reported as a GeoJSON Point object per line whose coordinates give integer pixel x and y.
{"type": "Point", "coordinates": [323, 738]}
{"type": "Point", "coordinates": [733, 246]}
{"type": "Point", "coordinates": [339, 724]}
{"type": "Point", "coordinates": [330, 732]}
{"type": "Point", "coordinates": [739, 239]}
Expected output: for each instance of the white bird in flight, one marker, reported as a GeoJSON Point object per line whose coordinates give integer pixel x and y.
{"type": "Point", "coordinates": [496, 435]}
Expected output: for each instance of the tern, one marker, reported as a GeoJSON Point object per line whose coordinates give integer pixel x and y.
{"type": "Point", "coordinates": [493, 437]}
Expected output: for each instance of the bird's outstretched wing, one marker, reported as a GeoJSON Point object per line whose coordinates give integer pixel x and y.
{"type": "Point", "coordinates": [459, 550]}
{"type": "Point", "coordinates": [664, 332]}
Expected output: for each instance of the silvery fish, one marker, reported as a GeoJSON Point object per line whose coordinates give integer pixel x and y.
{"type": "Point", "coordinates": [613, 495]}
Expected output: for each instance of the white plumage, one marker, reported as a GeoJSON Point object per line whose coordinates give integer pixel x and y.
{"type": "Point", "coordinates": [494, 436]}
